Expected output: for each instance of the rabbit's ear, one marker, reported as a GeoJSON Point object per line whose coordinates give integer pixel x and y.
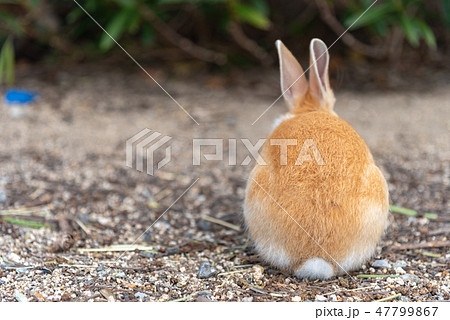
{"type": "Point", "coordinates": [318, 75]}
{"type": "Point", "coordinates": [293, 80]}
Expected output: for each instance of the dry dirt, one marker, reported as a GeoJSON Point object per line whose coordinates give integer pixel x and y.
{"type": "Point", "coordinates": [63, 168]}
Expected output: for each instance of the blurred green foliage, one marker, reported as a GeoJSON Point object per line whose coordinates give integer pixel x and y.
{"type": "Point", "coordinates": [7, 63]}
{"type": "Point", "coordinates": [409, 15]}
{"type": "Point", "coordinates": [64, 27]}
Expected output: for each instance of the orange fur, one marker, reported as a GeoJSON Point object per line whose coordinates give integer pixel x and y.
{"type": "Point", "coordinates": [342, 205]}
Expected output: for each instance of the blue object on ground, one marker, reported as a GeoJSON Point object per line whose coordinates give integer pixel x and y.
{"type": "Point", "coordinates": [14, 96]}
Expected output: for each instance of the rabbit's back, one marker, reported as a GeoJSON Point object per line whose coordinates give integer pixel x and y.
{"type": "Point", "coordinates": [320, 204]}
{"type": "Point", "coordinates": [320, 208]}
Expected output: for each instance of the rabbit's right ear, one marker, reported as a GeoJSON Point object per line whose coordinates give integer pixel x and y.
{"type": "Point", "coordinates": [293, 80]}
{"type": "Point", "coordinates": [319, 82]}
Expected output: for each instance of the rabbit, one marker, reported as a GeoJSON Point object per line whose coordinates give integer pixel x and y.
{"type": "Point", "coordinates": [322, 216]}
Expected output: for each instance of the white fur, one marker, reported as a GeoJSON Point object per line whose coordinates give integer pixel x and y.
{"type": "Point", "coordinates": [273, 254]}
{"type": "Point", "coordinates": [267, 247]}
{"type": "Point", "coordinates": [364, 247]}
{"type": "Point", "coordinates": [357, 257]}
{"type": "Point", "coordinates": [280, 119]}
{"type": "Point", "coordinates": [315, 268]}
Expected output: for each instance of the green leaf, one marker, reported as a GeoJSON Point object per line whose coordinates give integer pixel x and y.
{"type": "Point", "coordinates": [7, 63]}
{"type": "Point", "coordinates": [10, 63]}
{"type": "Point", "coordinates": [2, 65]}
{"type": "Point", "coordinates": [12, 23]}
{"type": "Point", "coordinates": [427, 33]}
{"type": "Point", "coordinates": [373, 15]}
{"type": "Point", "coordinates": [189, 1]}
{"type": "Point", "coordinates": [381, 28]}
{"type": "Point", "coordinates": [405, 211]}
{"type": "Point", "coordinates": [411, 212]}
{"type": "Point", "coordinates": [74, 15]}
{"type": "Point", "coordinates": [411, 30]}
{"type": "Point", "coordinates": [115, 29]}
{"type": "Point", "coordinates": [148, 34]}
{"type": "Point", "coordinates": [126, 3]}
{"type": "Point", "coordinates": [446, 12]}
{"type": "Point", "coordinates": [134, 21]}
{"type": "Point", "coordinates": [35, 3]}
{"type": "Point", "coordinates": [261, 6]}
{"type": "Point", "coordinates": [430, 216]}
{"type": "Point", "coordinates": [252, 16]}
{"type": "Point", "coordinates": [25, 223]}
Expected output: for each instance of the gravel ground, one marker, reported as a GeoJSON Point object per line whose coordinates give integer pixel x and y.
{"type": "Point", "coordinates": [63, 173]}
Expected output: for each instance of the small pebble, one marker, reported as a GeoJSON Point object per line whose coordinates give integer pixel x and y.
{"type": "Point", "coordinates": [320, 298]}
{"type": "Point", "coordinates": [400, 270]}
{"type": "Point", "coordinates": [410, 278]}
{"type": "Point", "coordinates": [172, 250]}
{"type": "Point", "coordinates": [380, 264]}
{"type": "Point", "coordinates": [120, 275]}
{"type": "Point", "coordinates": [20, 297]}
{"type": "Point", "coordinates": [204, 293]}
{"type": "Point", "coordinates": [2, 196]}
{"type": "Point", "coordinates": [203, 299]}
{"type": "Point", "coordinates": [140, 295]}
{"type": "Point", "coordinates": [147, 254]}
{"type": "Point", "coordinates": [204, 226]}
{"type": "Point", "coordinates": [258, 271]}
{"type": "Point", "coordinates": [206, 271]}
{"type": "Point", "coordinates": [296, 299]}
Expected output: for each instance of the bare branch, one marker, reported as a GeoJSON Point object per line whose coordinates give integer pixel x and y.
{"type": "Point", "coordinates": [179, 41]}
{"type": "Point", "coordinates": [329, 18]}
{"type": "Point", "coordinates": [248, 44]}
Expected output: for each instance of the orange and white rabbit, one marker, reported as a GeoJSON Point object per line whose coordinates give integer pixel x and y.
{"type": "Point", "coordinates": [324, 215]}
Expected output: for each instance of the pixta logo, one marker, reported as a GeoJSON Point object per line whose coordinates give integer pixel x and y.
{"type": "Point", "coordinates": [142, 146]}
{"type": "Point", "coordinates": [145, 143]}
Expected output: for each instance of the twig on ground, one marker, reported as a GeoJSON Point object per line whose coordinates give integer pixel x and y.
{"type": "Point", "coordinates": [119, 248]}
{"type": "Point", "coordinates": [67, 236]}
{"type": "Point", "coordinates": [221, 222]}
{"type": "Point", "coordinates": [75, 265]}
{"type": "Point", "coordinates": [428, 254]}
{"type": "Point", "coordinates": [231, 272]}
{"type": "Point", "coordinates": [431, 244]}
{"type": "Point", "coordinates": [258, 290]}
{"type": "Point", "coordinates": [389, 298]}
{"type": "Point", "coordinates": [368, 276]}
{"type": "Point", "coordinates": [26, 211]}
{"type": "Point", "coordinates": [83, 227]}
{"type": "Point", "coordinates": [182, 299]}
{"type": "Point", "coordinates": [349, 290]}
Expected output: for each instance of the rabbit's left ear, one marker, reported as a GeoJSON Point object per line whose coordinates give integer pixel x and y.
{"type": "Point", "coordinates": [319, 82]}
{"type": "Point", "coordinates": [293, 80]}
